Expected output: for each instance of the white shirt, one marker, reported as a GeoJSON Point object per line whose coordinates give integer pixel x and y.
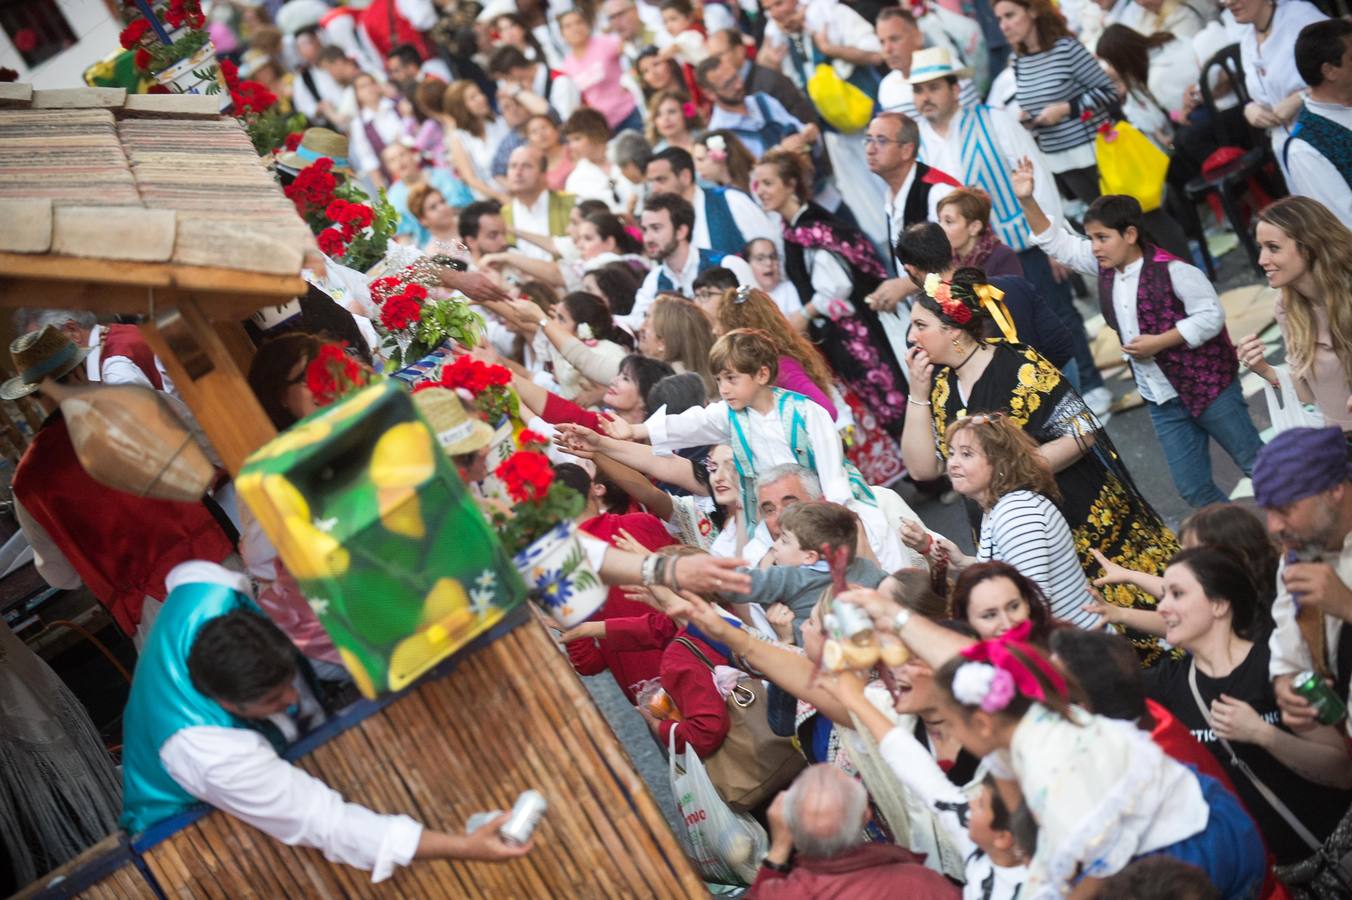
{"type": "Point", "coordinates": [1014, 142]}
{"type": "Point", "coordinates": [1026, 530]}
{"type": "Point", "coordinates": [703, 425]}
{"type": "Point", "coordinates": [752, 120]}
{"type": "Point", "coordinates": [388, 125]}
{"type": "Point", "coordinates": [842, 25]}
{"type": "Point", "coordinates": [751, 220]}
{"type": "Point", "coordinates": [533, 219]}
{"type": "Point", "coordinates": [236, 770]}
{"type": "Point", "coordinates": [683, 281]}
{"type": "Point", "coordinates": [307, 103]}
{"type": "Point", "coordinates": [1312, 174]}
{"type": "Point", "coordinates": [588, 181]}
{"type": "Point", "coordinates": [1270, 70]}
{"type": "Point", "coordinates": [1204, 320]}
{"type": "Point", "coordinates": [562, 94]}
{"type": "Point", "coordinates": [120, 369]}
{"type": "Point", "coordinates": [896, 203]}
{"type": "Point", "coordinates": [480, 150]}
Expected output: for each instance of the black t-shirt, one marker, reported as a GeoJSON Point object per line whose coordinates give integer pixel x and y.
{"type": "Point", "coordinates": [1319, 808]}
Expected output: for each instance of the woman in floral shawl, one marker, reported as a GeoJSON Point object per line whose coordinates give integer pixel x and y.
{"type": "Point", "coordinates": [833, 268]}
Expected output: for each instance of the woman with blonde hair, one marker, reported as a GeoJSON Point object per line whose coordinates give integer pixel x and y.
{"type": "Point", "coordinates": [994, 462]}
{"type": "Point", "coordinates": [1307, 255]}
{"type": "Point", "coordinates": [672, 121]}
{"type": "Point", "coordinates": [678, 333]}
{"type": "Point", "coordinates": [478, 131]}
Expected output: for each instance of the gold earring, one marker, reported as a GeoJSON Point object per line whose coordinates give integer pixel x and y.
{"type": "Point", "coordinates": [957, 345]}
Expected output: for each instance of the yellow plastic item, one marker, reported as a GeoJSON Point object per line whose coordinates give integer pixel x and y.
{"type": "Point", "coordinates": [1129, 163]}
{"type": "Point", "coordinates": [840, 103]}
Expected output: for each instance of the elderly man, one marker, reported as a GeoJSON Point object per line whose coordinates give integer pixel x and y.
{"type": "Point", "coordinates": [535, 212]}
{"type": "Point", "coordinates": [1304, 482]}
{"type": "Point", "coordinates": [759, 120]}
{"type": "Point", "coordinates": [822, 817]}
{"type": "Point", "coordinates": [117, 353]}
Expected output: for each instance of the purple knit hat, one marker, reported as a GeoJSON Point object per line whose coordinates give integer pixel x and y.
{"type": "Point", "coordinates": [1299, 463]}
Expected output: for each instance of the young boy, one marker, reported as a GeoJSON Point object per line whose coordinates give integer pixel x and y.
{"type": "Point", "coordinates": [1171, 325]}
{"type": "Point", "coordinates": [801, 573]}
{"type": "Point", "coordinates": [765, 425]}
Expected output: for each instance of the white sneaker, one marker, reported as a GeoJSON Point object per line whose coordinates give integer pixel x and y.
{"type": "Point", "coordinates": [1099, 400]}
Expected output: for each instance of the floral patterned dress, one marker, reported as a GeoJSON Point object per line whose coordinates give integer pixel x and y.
{"type": "Point", "coordinates": [1099, 500]}
{"type": "Point", "coordinates": [855, 345]}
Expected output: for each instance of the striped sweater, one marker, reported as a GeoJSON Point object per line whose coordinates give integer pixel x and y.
{"type": "Point", "coordinates": [1065, 73]}
{"type": "Point", "coordinates": [1026, 530]}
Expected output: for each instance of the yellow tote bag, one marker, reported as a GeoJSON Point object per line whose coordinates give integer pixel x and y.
{"type": "Point", "coordinates": [1130, 163]}
{"type": "Point", "coordinates": [840, 103]}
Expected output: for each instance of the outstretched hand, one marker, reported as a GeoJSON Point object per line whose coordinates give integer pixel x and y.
{"type": "Point", "coordinates": [1021, 179]}
{"type": "Point", "coordinates": [578, 440]}
{"type": "Point", "coordinates": [615, 427]}
{"type": "Point", "coordinates": [704, 574]}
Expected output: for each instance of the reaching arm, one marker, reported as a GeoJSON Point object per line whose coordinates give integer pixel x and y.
{"type": "Point", "coordinates": [917, 436]}
{"type": "Point", "coordinates": [655, 500]}
{"type": "Point", "coordinates": [539, 269]}
{"type": "Point", "coordinates": [1319, 755]}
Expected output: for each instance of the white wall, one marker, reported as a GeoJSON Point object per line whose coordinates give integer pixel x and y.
{"type": "Point", "coordinates": [96, 31]}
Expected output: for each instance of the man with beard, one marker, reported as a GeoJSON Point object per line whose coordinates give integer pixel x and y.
{"type": "Point", "coordinates": [667, 222]}
{"type": "Point", "coordinates": [1304, 482]}
{"type": "Point", "coordinates": [759, 120]}
{"type": "Point", "coordinates": [726, 219]}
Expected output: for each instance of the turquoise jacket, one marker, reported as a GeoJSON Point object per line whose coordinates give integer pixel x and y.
{"type": "Point", "coordinates": [163, 702]}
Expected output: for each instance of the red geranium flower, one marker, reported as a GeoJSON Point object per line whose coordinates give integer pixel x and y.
{"type": "Point", "coordinates": [332, 373]}
{"type": "Point", "coordinates": [230, 72]}
{"type": "Point", "coordinates": [331, 243]}
{"type": "Point", "coordinates": [141, 59]}
{"type": "Point", "coordinates": [292, 140]}
{"type": "Point", "coordinates": [359, 215]}
{"type": "Point", "coordinates": [384, 288]}
{"type": "Point", "coordinates": [527, 437]}
{"type": "Point", "coordinates": [399, 312]}
{"type": "Point", "coordinates": [132, 34]}
{"type": "Point", "coordinates": [527, 475]}
{"type": "Point", "coordinates": [250, 96]}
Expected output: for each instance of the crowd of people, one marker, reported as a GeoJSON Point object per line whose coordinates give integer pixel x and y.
{"type": "Point", "coordinates": [761, 272]}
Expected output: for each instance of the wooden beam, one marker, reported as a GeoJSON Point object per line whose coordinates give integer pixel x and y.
{"type": "Point", "coordinates": [225, 407]}
{"type": "Point", "coordinates": [125, 299]}
{"type": "Point", "coordinates": [104, 272]}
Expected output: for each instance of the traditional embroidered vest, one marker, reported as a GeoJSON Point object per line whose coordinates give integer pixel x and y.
{"type": "Point", "coordinates": [387, 29]}
{"type": "Point", "coordinates": [122, 546]}
{"type": "Point", "coordinates": [724, 235]}
{"type": "Point", "coordinates": [126, 341]}
{"type": "Point", "coordinates": [916, 207]}
{"type": "Point", "coordinates": [792, 410]}
{"type": "Point", "coordinates": [163, 702]}
{"type": "Point", "coordinates": [771, 131]}
{"type": "Point", "coordinates": [983, 165]}
{"type": "Point", "coordinates": [1331, 140]}
{"type": "Point", "coordinates": [559, 209]}
{"type": "Point", "coordinates": [1198, 374]}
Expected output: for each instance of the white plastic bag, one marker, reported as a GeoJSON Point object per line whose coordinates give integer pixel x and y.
{"type": "Point", "coordinates": [1284, 406]}
{"type": "Point", "coordinates": [726, 847]}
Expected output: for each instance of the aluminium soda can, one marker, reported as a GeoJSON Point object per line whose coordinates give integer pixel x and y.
{"type": "Point", "coordinates": [525, 815]}
{"type": "Point", "coordinates": [1328, 708]}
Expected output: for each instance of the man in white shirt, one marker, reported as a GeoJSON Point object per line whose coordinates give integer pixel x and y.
{"type": "Point", "coordinates": [900, 36]}
{"type": "Point", "coordinates": [482, 230]}
{"type": "Point", "coordinates": [532, 84]}
{"type": "Point", "coordinates": [342, 70]}
{"type": "Point", "coordinates": [1319, 151]}
{"type": "Point", "coordinates": [216, 695]}
{"type": "Point", "coordinates": [913, 192]}
{"type": "Point", "coordinates": [314, 93]}
{"type": "Point", "coordinates": [534, 210]}
{"type": "Point", "coordinates": [406, 68]}
{"type": "Point", "coordinates": [127, 359]}
{"type": "Point", "coordinates": [726, 219]}
{"type": "Point", "coordinates": [666, 222]}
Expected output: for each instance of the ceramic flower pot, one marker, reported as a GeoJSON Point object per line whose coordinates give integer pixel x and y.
{"type": "Point", "coordinates": [560, 578]}
{"type": "Point", "coordinates": [502, 446]}
{"type": "Point", "coordinates": [196, 74]}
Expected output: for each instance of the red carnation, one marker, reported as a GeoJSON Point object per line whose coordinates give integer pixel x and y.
{"type": "Point", "coordinates": [384, 288]}
{"type": "Point", "coordinates": [336, 211]}
{"type": "Point", "coordinates": [466, 372]}
{"type": "Point", "coordinates": [132, 34]}
{"type": "Point", "coordinates": [957, 311]}
{"type": "Point", "coordinates": [292, 140]}
{"type": "Point", "coordinates": [398, 313]}
{"type": "Point", "coordinates": [498, 375]}
{"type": "Point", "coordinates": [230, 72]}
{"type": "Point", "coordinates": [332, 373]}
{"type": "Point", "coordinates": [142, 59]}
{"type": "Point", "coordinates": [527, 437]}
{"type": "Point", "coordinates": [331, 243]}
{"type": "Point", "coordinates": [358, 215]}
{"type": "Point", "coordinates": [416, 292]}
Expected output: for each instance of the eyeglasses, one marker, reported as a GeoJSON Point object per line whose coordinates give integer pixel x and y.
{"type": "Point", "coordinates": [870, 140]}
{"type": "Point", "coordinates": [708, 294]}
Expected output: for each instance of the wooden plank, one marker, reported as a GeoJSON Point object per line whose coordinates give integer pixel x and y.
{"type": "Point", "coordinates": [178, 106]}
{"type": "Point", "coordinates": [25, 224]}
{"type": "Point", "coordinates": [114, 232]}
{"type": "Point", "coordinates": [122, 299]}
{"type": "Point", "coordinates": [80, 98]}
{"type": "Point", "coordinates": [199, 279]}
{"type": "Point", "coordinates": [225, 407]}
{"type": "Point", "coordinates": [15, 94]}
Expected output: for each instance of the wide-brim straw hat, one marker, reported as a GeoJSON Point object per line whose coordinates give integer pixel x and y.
{"type": "Point", "coordinates": [931, 63]}
{"type": "Point", "coordinates": [41, 354]}
{"type": "Point", "coordinates": [456, 429]}
{"type": "Point", "coordinates": [316, 144]}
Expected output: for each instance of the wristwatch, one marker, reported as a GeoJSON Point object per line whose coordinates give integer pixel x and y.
{"type": "Point", "coordinates": [782, 868]}
{"type": "Point", "coordinates": [900, 619]}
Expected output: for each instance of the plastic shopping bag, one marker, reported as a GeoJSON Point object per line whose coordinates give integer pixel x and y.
{"type": "Point", "coordinates": [845, 107]}
{"type": "Point", "coordinates": [1284, 406]}
{"type": "Point", "coordinates": [1129, 163]}
{"type": "Point", "coordinates": [726, 847]}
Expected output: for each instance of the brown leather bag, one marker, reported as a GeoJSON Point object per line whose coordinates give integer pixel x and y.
{"type": "Point", "coordinates": [753, 763]}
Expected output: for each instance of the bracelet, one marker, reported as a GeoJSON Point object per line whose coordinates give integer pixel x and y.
{"type": "Point", "coordinates": [671, 571]}
{"type": "Point", "coordinates": [781, 868]}
{"type": "Point", "coordinates": [914, 402]}
{"type": "Point", "coordinates": [648, 570]}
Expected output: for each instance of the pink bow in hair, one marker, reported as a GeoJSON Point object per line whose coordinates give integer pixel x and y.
{"type": "Point", "coordinates": [997, 653]}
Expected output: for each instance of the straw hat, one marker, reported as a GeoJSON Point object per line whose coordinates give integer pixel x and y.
{"type": "Point", "coordinates": [458, 431]}
{"type": "Point", "coordinates": [41, 354]}
{"type": "Point", "coordinates": [931, 63]}
{"type": "Point", "coordinates": [315, 144]}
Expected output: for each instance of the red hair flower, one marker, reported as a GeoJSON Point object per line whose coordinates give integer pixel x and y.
{"type": "Point", "coordinates": [956, 310]}
{"type": "Point", "coordinates": [332, 373]}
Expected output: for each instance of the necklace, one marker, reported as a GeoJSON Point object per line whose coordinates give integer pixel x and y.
{"type": "Point", "coordinates": [975, 351]}
{"type": "Point", "coordinates": [1268, 27]}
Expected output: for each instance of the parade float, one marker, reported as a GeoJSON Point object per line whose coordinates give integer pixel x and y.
{"type": "Point", "coordinates": [158, 206]}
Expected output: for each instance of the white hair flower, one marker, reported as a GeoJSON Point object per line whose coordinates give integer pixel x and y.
{"type": "Point", "coordinates": [932, 282]}
{"type": "Point", "coordinates": [972, 682]}
{"type": "Point", "coordinates": [584, 332]}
